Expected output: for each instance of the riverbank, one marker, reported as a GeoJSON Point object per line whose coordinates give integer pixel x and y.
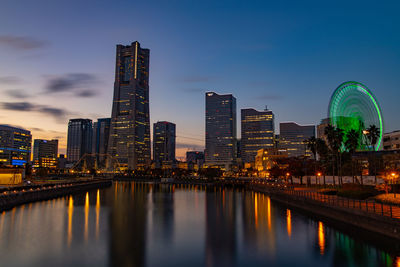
{"type": "Point", "coordinates": [27, 194]}
{"type": "Point", "coordinates": [358, 218]}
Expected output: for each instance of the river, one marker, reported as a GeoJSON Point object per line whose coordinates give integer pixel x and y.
{"type": "Point", "coordinates": [138, 224]}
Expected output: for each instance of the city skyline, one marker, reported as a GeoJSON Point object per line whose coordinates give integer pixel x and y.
{"type": "Point", "coordinates": [42, 67]}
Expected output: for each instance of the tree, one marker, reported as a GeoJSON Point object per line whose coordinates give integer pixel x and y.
{"type": "Point", "coordinates": [372, 135]}
{"type": "Point", "coordinates": [312, 145]}
{"type": "Point", "coordinates": [352, 142]}
{"type": "Point", "coordinates": [335, 140]}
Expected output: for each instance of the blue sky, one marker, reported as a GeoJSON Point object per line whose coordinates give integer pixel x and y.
{"type": "Point", "coordinates": [289, 55]}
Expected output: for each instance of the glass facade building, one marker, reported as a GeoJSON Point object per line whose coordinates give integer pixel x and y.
{"type": "Point", "coordinates": [129, 140]}
{"type": "Point", "coordinates": [79, 140]}
{"type": "Point", "coordinates": [164, 136]}
{"type": "Point", "coordinates": [257, 132]}
{"type": "Point", "coordinates": [293, 137]}
{"type": "Point", "coordinates": [101, 135]}
{"type": "Point", "coordinates": [45, 153]}
{"type": "Point", "coordinates": [15, 146]}
{"type": "Point", "coordinates": [221, 149]}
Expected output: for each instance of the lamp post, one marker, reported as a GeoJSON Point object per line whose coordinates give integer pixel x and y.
{"type": "Point", "coordinates": [393, 176]}
{"type": "Point", "coordinates": [319, 177]}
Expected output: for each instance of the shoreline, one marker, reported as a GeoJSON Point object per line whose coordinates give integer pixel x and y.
{"type": "Point", "coordinates": [378, 225]}
{"type": "Point", "coordinates": [9, 200]}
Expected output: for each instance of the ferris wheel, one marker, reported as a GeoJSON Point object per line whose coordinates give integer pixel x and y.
{"type": "Point", "coordinates": [354, 107]}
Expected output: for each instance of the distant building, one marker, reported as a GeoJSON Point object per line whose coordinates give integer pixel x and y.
{"type": "Point", "coordinates": [45, 153]}
{"type": "Point", "coordinates": [293, 137]}
{"type": "Point", "coordinates": [79, 140]}
{"type": "Point", "coordinates": [391, 141]}
{"type": "Point", "coordinates": [195, 158]}
{"type": "Point", "coordinates": [220, 130]}
{"type": "Point", "coordinates": [257, 132]}
{"type": "Point", "coordinates": [101, 134]}
{"type": "Point", "coordinates": [321, 129]}
{"type": "Point", "coordinates": [15, 146]}
{"type": "Point", "coordinates": [62, 162]}
{"type": "Point", "coordinates": [266, 158]}
{"type": "Point", "coordinates": [164, 135]}
{"type": "Point", "coordinates": [130, 121]}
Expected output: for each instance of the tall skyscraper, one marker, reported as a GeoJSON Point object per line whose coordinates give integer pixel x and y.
{"type": "Point", "coordinates": [129, 139]}
{"type": "Point", "coordinates": [257, 132]}
{"type": "Point", "coordinates": [164, 135]}
{"type": "Point", "coordinates": [293, 137]}
{"type": "Point", "coordinates": [101, 135]}
{"type": "Point", "coordinates": [220, 130]}
{"type": "Point", "coordinates": [79, 141]}
{"type": "Point", "coordinates": [15, 146]}
{"type": "Point", "coordinates": [45, 153]}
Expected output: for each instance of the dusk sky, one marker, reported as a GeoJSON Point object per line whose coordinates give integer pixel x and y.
{"type": "Point", "coordinates": [57, 59]}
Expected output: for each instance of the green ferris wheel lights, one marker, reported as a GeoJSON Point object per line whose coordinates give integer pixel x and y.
{"type": "Point", "coordinates": [353, 106]}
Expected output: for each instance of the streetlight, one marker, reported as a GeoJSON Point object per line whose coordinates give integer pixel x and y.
{"type": "Point", "coordinates": [319, 177]}
{"type": "Point", "coordinates": [393, 176]}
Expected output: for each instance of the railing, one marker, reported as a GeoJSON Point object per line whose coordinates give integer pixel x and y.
{"type": "Point", "coordinates": [368, 206]}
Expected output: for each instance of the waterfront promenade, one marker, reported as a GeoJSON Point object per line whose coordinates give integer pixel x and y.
{"type": "Point", "coordinates": [18, 195]}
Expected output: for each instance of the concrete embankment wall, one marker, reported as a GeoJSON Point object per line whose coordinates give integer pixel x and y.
{"type": "Point", "coordinates": [10, 200]}
{"type": "Point", "coordinates": [381, 225]}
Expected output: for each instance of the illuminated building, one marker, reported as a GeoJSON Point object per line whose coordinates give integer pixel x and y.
{"type": "Point", "coordinates": [101, 134]}
{"type": "Point", "coordinates": [266, 158]}
{"type": "Point", "coordinates": [129, 139]}
{"type": "Point", "coordinates": [293, 137]}
{"type": "Point", "coordinates": [164, 134]}
{"type": "Point", "coordinates": [391, 141]}
{"type": "Point", "coordinates": [220, 130]}
{"type": "Point", "coordinates": [45, 153]}
{"type": "Point", "coordinates": [257, 132]}
{"type": "Point", "coordinates": [15, 146]}
{"type": "Point", "coordinates": [79, 141]}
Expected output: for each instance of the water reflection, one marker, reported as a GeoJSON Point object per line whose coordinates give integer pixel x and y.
{"type": "Point", "coordinates": [321, 238]}
{"type": "Point", "coordinates": [139, 224]}
{"type": "Point", "coordinates": [289, 222]}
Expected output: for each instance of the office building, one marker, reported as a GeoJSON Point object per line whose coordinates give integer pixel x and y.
{"type": "Point", "coordinates": [129, 140]}
{"type": "Point", "coordinates": [195, 159]}
{"type": "Point", "coordinates": [101, 134]}
{"type": "Point", "coordinates": [257, 132]}
{"type": "Point", "coordinates": [220, 131]}
{"type": "Point", "coordinates": [164, 135]}
{"type": "Point", "coordinates": [15, 146]}
{"type": "Point", "coordinates": [293, 138]}
{"type": "Point", "coordinates": [321, 129]}
{"type": "Point", "coordinates": [45, 153]}
{"type": "Point", "coordinates": [79, 140]}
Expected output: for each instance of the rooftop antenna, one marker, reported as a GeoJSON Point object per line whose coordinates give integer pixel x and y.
{"type": "Point", "coordinates": [266, 108]}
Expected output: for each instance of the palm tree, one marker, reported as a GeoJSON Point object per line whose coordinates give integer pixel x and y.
{"type": "Point", "coordinates": [335, 140]}
{"type": "Point", "coordinates": [351, 144]}
{"type": "Point", "coordinates": [322, 151]}
{"type": "Point", "coordinates": [312, 145]}
{"type": "Point", "coordinates": [373, 134]}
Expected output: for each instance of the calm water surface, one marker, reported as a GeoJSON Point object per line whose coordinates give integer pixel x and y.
{"type": "Point", "coordinates": [137, 224]}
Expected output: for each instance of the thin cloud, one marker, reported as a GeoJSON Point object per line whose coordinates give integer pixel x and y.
{"type": "Point", "coordinates": [189, 146]}
{"type": "Point", "coordinates": [10, 80]}
{"type": "Point", "coordinates": [56, 113]}
{"type": "Point", "coordinates": [18, 94]}
{"type": "Point", "coordinates": [22, 42]}
{"type": "Point", "coordinates": [77, 83]}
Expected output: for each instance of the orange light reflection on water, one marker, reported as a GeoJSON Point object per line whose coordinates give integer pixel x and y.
{"type": "Point", "coordinates": [70, 213]}
{"type": "Point", "coordinates": [86, 232]}
{"type": "Point", "coordinates": [97, 213]}
{"type": "Point", "coordinates": [269, 212]}
{"type": "Point", "coordinates": [321, 238]}
{"type": "Point", "coordinates": [289, 222]}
